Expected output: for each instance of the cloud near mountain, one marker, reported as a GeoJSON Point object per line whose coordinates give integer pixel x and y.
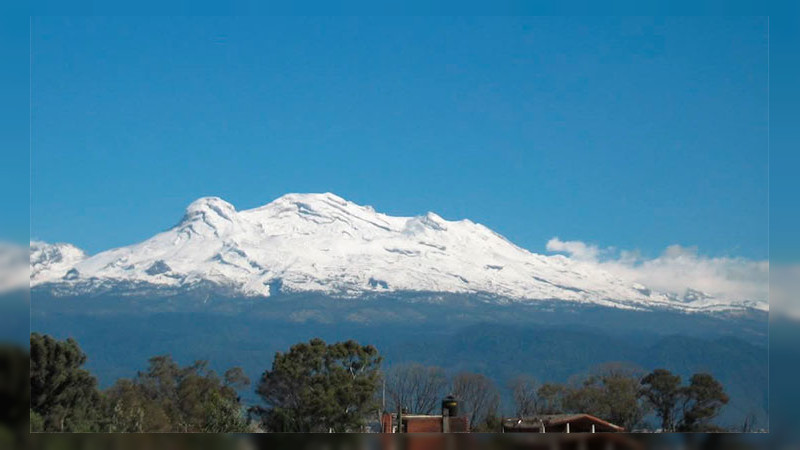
{"type": "Point", "coordinates": [14, 273]}
{"type": "Point", "coordinates": [676, 269]}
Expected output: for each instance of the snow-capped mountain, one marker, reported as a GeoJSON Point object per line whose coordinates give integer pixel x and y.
{"type": "Point", "coordinates": [48, 259]}
{"type": "Point", "coordinates": [323, 243]}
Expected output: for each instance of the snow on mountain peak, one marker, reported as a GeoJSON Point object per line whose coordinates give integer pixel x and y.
{"type": "Point", "coordinates": [208, 214]}
{"type": "Point", "coordinates": [324, 243]}
{"type": "Point", "coordinates": [210, 205]}
{"type": "Point", "coordinates": [46, 259]}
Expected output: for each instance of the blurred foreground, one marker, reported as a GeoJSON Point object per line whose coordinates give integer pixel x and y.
{"type": "Point", "coordinates": [393, 442]}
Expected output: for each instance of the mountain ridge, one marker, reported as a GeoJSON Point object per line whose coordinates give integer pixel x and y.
{"type": "Point", "coordinates": [324, 243]}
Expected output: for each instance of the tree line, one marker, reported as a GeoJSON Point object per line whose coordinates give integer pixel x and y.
{"type": "Point", "coordinates": [340, 387]}
{"type": "Point", "coordinates": [164, 397]}
{"type": "Point", "coordinates": [619, 393]}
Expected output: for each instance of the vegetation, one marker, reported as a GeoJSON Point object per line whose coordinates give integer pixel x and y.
{"type": "Point", "coordinates": [64, 396]}
{"type": "Point", "coordinates": [416, 388]}
{"type": "Point", "coordinates": [317, 387]}
{"type": "Point", "coordinates": [702, 400]}
{"type": "Point", "coordinates": [524, 389]}
{"type": "Point", "coordinates": [663, 390]}
{"type": "Point", "coordinates": [684, 408]}
{"type": "Point", "coordinates": [611, 392]}
{"type": "Point", "coordinates": [320, 387]}
{"type": "Point", "coordinates": [168, 397]}
{"type": "Point", "coordinates": [479, 400]}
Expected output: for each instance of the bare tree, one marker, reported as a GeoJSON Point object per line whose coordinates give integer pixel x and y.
{"type": "Point", "coordinates": [478, 396]}
{"type": "Point", "coordinates": [618, 369]}
{"type": "Point", "coordinates": [415, 387]}
{"type": "Point", "coordinates": [749, 424]}
{"type": "Point", "coordinates": [526, 398]}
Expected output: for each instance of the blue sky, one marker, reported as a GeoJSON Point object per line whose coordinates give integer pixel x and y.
{"type": "Point", "coordinates": [14, 164]}
{"type": "Point", "coordinates": [633, 133]}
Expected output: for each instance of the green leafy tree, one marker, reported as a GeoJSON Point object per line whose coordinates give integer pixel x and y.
{"type": "Point", "coordinates": [623, 399]}
{"type": "Point", "coordinates": [168, 397]}
{"type": "Point", "coordinates": [586, 397]}
{"type": "Point", "coordinates": [235, 378]}
{"type": "Point", "coordinates": [684, 408]}
{"type": "Point", "coordinates": [702, 401]}
{"type": "Point", "coordinates": [130, 409]}
{"type": "Point", "coordinates": [63, 394]}
{"type": "Point", "coordinates": [222, 415]}
{"type": "Point", "coordinates": [317, 387]}
{"type": "Point", "coordinates": [662, 390]}
{"type": "Point", "coordinates": [36, 422]}
{"type": "Point", "coordinates": [612, 392]}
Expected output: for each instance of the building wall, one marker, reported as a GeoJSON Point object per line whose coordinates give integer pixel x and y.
{"type": "Point", "coordinates": [430, 424]}
{"type": "Point", "coordinates": [424, 425]}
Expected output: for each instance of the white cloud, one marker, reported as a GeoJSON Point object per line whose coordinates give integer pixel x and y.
{"type": "Point", "coordinates": [677, 269]}
{"type": "Point", "coordinates": [13, 267]}
{"type": "Point", "coordinates": [784, 300]}
{"type": "Point", "coordinates": [575, 249]}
